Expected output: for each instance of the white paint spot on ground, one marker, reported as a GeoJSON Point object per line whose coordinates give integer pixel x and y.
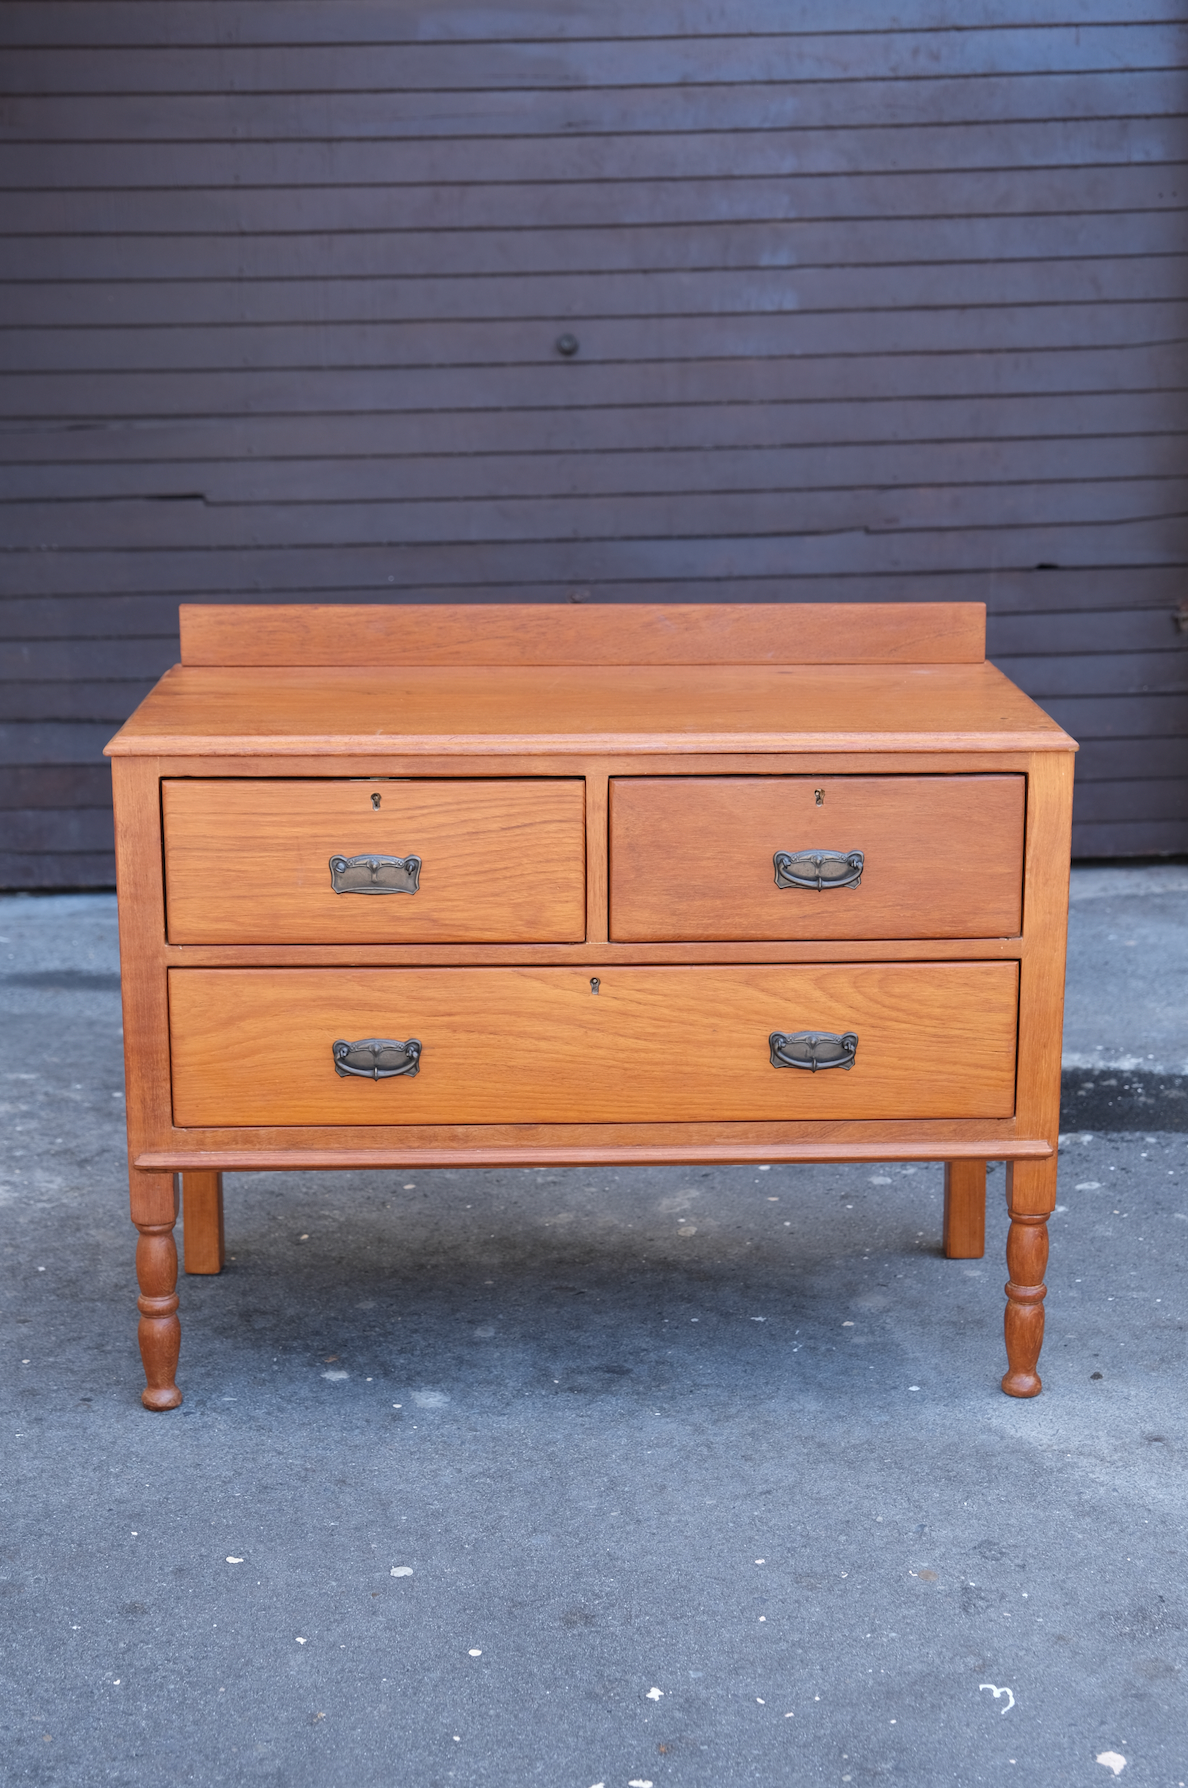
{"type": "Point", "coordinates": [233, 1561]}
{"type": "Point", "coordinates": [880, 1179]}
{"type": "Point", "coordinates": [335, 1375]}
{"type": "Point", "coordinates": [639, 1782]}
{"type": "Point", "coordinates": [998, 1695]}
{"type": "Point", "coordinates": [677, 1201]}
{"type": "Point", "coordinates": [655, 1694]}
{"type": "Point", "coordinates": [402, 1571]}
{"type": "Point", "coordinates": [473, 1653]}
{"type": "Point", "coordinates": [430, 1399]}
{"type": "Point", "coordinates": [1089, 1186]}
{"type": "Point", "coordinates": [1112, 1760]}
{"type": "Point", "coordinates": [301, 1641]}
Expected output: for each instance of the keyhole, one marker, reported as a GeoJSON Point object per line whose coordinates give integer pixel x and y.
{"type": "Point", "coordinates": [375, 800]}
{"type": "Point", "coordinates": [818, 796]}
{"type": "Point", "coordinates": [595, 983]}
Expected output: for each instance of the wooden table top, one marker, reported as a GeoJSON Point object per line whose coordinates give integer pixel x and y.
{"type": "Point", "coordinates": [237, 711]}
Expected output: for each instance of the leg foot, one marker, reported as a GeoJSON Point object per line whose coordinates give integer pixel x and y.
{"type": "Point", "coordinates": [965, 1210]}
{"type": "Point", "coordinates": [1031, 1189]}
{"type": "Point", "coordinates": [202, 1222]}
{"type": "Point", "coordinates": [160, 1331]}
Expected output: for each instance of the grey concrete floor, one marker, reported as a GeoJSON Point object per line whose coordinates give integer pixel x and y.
{"type": "Point", "coordinates": [667, 1476]}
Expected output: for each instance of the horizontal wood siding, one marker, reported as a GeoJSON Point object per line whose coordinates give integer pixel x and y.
{"type": "Point", "coordinates": [881, 311]}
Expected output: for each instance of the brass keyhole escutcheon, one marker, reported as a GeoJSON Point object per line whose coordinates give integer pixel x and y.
{"type": "Point", "coordinates": [819, 796]}
{"type": "Point", "coordinates": [375, 800]}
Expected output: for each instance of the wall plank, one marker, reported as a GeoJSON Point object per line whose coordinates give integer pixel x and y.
{"type": "Point", "coordinates": [671, 57]}
{"type": "Point", "coordinates": [248, 116]}
{"type": "Point", "coordinates": [263, 22]}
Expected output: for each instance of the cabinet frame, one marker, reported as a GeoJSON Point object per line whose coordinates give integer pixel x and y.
{"type": "Point", "coordinates": [209, 722]}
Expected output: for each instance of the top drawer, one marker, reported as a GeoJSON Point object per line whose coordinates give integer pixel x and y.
{"type": "Point", "coordinates": [693, 857]}
{"type": "Point", "coordinates": [500, 861]}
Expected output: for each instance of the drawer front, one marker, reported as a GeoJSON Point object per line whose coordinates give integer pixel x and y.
{"type": "Point", "coordinates": [693, 857]}
{"type": "Point", "coordinates": [499, 862]}
{"type": "Point", "coordinates": [256, 1046]}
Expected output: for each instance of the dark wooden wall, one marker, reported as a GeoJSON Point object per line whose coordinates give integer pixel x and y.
{"type": "Point", "coordinates": [864, 310]}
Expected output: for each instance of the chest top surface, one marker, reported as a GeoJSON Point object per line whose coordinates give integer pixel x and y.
{"type": "Point", "coordinates": [408, 679]}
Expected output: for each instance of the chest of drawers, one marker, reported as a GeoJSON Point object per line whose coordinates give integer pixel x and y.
{"type": "Point", "coordinates": [494, 885]}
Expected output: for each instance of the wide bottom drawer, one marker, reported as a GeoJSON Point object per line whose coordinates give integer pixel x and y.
{"type": "Point", "coordinates": [257, 1046]}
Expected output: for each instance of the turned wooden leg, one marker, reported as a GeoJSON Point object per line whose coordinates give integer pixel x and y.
{"type": "Point", "coordinates": [965, 1210]}
{"type": "Point", "coordinates": [1031, 1190]}
{"type": "Point", "coordinates": [202, 1222]}
{"type": "Point", "coordinates": [154, 1212]}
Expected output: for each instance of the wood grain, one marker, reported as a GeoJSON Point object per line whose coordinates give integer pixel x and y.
{"type": "Point", "coordinates": [1045, 919]}
{"type": "Point", "coordinates": [595, 951]}
{"type": "Point", "coordinates": [692, 857]}
{"type": "Point", "coordinates": [1023, 1319]}
{"type": "Point", "coordinates": [159, 1331]}
{"type": "Point", "coordinates": [248, 861]}
{"type": "Point", "coordinates": [154, 1212]}
{"type": "Point", "coordinates": [672, 1145]}
{"type": "Point", "coordinates": [505, 1045]}
{"type": "Point", "coordinates": [593, 709]}
{"type": "Point", "coordinates": [965, 1210]}
{"type": "Point", "coordinates": [202, 1222]}
{"type": "Point", "coordinates": [1031, 1186]}
{"type": "Point", "coordinates": [143, 987]}
{"type": "Point", "coordinates": [510, 634]}
{"type": "Point", "coordinates": [597, 784]}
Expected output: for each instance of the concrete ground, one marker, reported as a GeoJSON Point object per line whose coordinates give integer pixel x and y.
{"type": "Point", "coordinates": [642, 1477]}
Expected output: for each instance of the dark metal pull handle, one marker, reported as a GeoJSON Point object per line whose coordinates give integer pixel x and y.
{"type": "Point", "coordinates": [377, 1058]}
{"type": "Point", "coordinates": [818, 869]}
{"type": "Point", "coordinates": [370, 874]}
{"type": "Point", "coordinates": [813, 1049]}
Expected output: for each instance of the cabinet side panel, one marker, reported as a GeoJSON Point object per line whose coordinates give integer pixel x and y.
{"type": "Point", "coordinates": [1045, 931]}
{"type": "Point", "coordinates": [141, 889]}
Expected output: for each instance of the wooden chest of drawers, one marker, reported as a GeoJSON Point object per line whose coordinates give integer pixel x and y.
{"type": "Point", "coordinates": [494, 885]}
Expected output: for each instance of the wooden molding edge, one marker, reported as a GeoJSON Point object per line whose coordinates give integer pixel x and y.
{"type": "Point", "coordinates": [624, 1155]}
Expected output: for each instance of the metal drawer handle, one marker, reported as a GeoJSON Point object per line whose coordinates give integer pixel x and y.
{"type": "Point", "coordinates": [377, 1058]}
{"type": "Point", "coordinates": [813, 1049]}
{"type": "Point", "coordinates": [818, 869]}
{"type": "Point", "coordinates": [370, 874]}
